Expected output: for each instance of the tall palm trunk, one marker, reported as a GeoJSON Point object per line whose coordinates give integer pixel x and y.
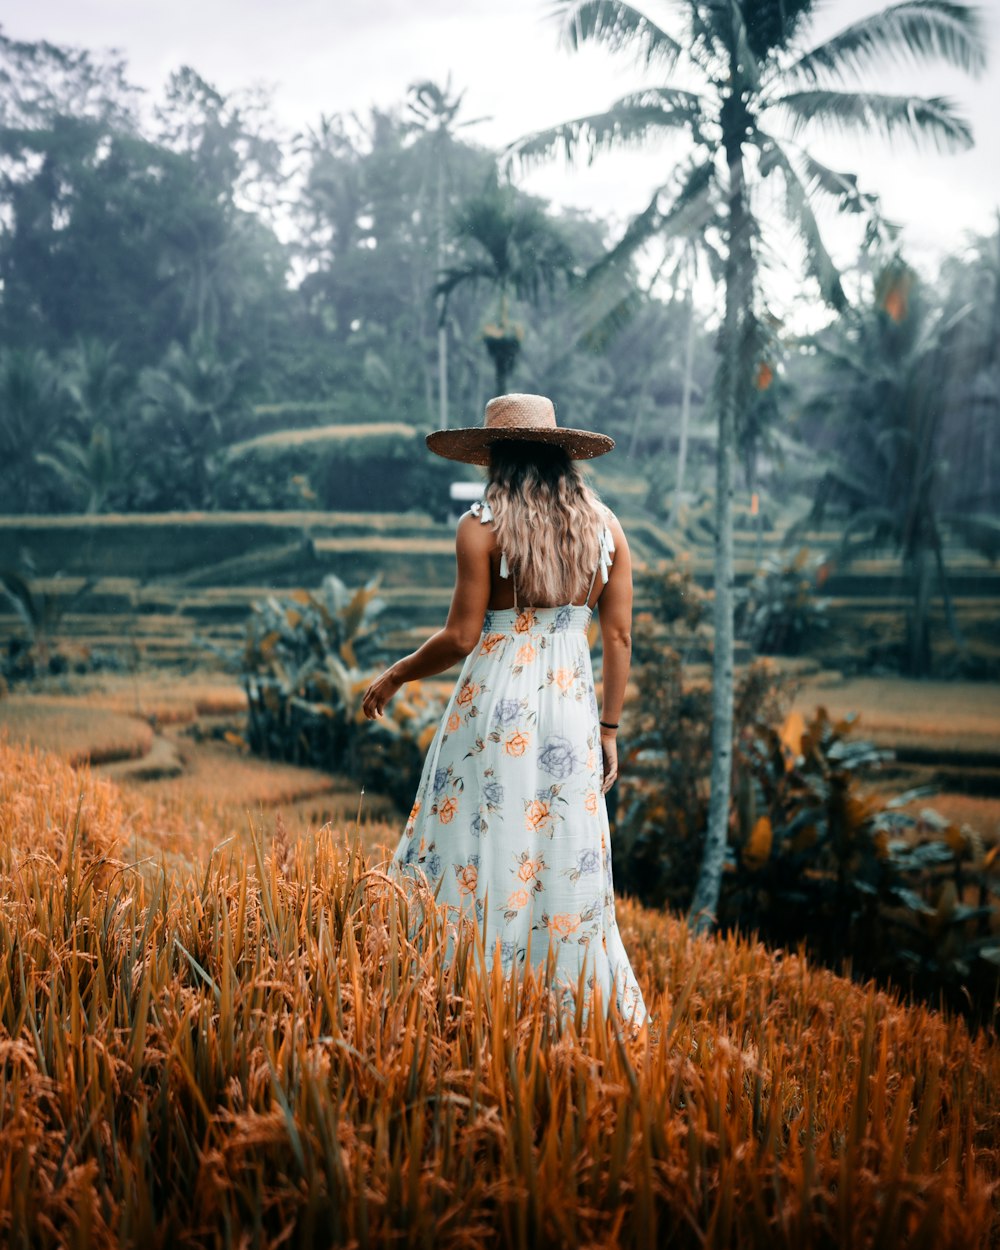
{"type": "Point", "coordinates": [442, 325]}
{"type": "Point", "coordinates": [682, 449]}
{"type": "Point", "coordinates": [705, 902]}
{"type": "Point", "coordinates": [918, 627]}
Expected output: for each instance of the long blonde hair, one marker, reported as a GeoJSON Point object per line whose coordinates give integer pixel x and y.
{"type": "Point", "coordinates": [546, 518]}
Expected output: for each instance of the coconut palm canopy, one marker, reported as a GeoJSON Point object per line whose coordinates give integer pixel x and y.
{"type": "Point", "coordinates": [740, 77]}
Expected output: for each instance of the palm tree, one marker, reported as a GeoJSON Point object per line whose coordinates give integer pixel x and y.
{"type": "Point", "coordinates": [435, 113]}
{"type": "Point", "coordinates": [90, 471]}
{"type": "Point", "coordinates": [32, 413]}
{"type": "Point", "coordinates": [750, 87]}
{"type": "Point", "coordinates": [190, 403]}
{"type": "Point", "coordinates": [518, 251]}
{"type": "Point", "coordinates": [885, 380]}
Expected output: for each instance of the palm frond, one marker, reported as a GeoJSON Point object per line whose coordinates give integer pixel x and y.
{"type": "Point", "coordinates": [915, 116]}
{"type": "Point", "coordinates": [621, 126]}
{"type": "Point", "coordinates": [619, 27]}
{"type": "Point", "coordinates": [800, 214]}
{"type": "Point", "coordinates": [978, 530]}
{"type": "Point", "coordinates": [458, 275]}
{"type": "Point", "coordinates": [690, 212]}
{"type": "Point", "coordinates": [915, 31]}
{"type": "Point", "coordinates": [843, 187]}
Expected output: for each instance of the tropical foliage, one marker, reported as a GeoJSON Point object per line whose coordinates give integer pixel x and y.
{"type": "Point", "coordinates": [742, 84]}
{"type": "Point", "coordinates": [809, 857]}
{"type": "Point", "coordinates": [306, 665]}
{"type": "Point", "coordinates": [887, 370]}
{"type": "Point", "coordinates": [517, 251]}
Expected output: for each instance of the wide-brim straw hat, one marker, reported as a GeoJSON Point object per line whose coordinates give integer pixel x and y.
{"type": "Point", "coordinates": [528, 417]}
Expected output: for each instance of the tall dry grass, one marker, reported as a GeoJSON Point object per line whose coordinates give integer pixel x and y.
{"type": "Point", "coordinates": [270, 1049]}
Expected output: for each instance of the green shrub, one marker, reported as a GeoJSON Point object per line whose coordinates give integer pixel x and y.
{"type": "Point", "coordinates": [778, 613]}
{"type": "Point", "coordinates": [306, 665]}
{"type": "Point", "coordinates": [809, 857]}
{"type": "Point", "coordinates": [377, 467]}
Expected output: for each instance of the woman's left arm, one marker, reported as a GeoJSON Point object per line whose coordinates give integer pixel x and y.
{"type": "Point", "coordinates": [473, 545]}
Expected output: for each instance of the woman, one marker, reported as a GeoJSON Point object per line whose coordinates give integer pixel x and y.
{"type": "Point", "coordinates": [510, 821]}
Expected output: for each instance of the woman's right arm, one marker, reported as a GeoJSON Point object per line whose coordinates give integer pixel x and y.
{"type": "Point", "coordinates": [615, 614]}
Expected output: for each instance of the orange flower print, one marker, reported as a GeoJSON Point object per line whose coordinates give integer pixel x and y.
{"type": "Point", "coordinates": [490, 643]}
{"type": "Point", "coordinates": [447, 810]}
{"type": "Point", "coordinates": [529, 869]}
{"type": "Point", "coordinates": [564, 924]}
{"type": "Point", "coordinates": [524, 621]}
{"type": "Point", "coordinates": [518, 899]}
{"type": "Point", "coordinates": [517, 744]}
{"type": "Point", "coordinates": [590, 802]}
{"type": "Point", "coordinates": [414, 813]}
{"type": "Point", "coordinates": [591, 759]}
{"type": "Point", "coordinates": [454, 721]}
{"type": "Point", "coordinates": [467, 694]}
{"type": "Point", "coordinates": [537, 816]}
{"type": "Point", "coordinates": [563, 677]}
{"type": "Point", "coordinates": [468, 875]}
{"type": "Point", "coordinates": [526, 654]}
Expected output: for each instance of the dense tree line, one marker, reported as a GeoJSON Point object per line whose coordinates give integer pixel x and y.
{"type": "Point", "coordinates": [178, 277]}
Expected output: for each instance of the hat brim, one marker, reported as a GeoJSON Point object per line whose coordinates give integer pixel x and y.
{"type": "Point", "coordinates": [472, 445]}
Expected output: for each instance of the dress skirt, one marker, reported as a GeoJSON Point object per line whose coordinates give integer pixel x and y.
{"type": "Point", "coordinates": [509, 823]}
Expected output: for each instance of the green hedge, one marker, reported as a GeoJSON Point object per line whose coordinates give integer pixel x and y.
{"type": "Point", "coordinates": [382, 467]}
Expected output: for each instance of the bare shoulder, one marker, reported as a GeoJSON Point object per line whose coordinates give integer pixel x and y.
{"type": "Point", "coordinates": [472, 535]}
{"type": "Point", "coordinates": [614, 525]}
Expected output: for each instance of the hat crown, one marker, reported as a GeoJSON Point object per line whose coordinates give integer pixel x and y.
{"type": "Point", "coordinates": [515, 411]}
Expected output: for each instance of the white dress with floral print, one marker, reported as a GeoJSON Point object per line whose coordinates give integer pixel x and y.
{"type": "Point", "coordinates": [509, 819]}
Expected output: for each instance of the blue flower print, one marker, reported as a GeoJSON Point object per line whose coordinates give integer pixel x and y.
{"type": "Point", "coordinates": [563, 618]}
{"type": "Point", "coordinates": [440, 780]}
{"type": "Point", "coordinates": [477, 825]}
{"type": "Point", "coordinates": [587, 861]}
{"type": "Point", "coordinates": [492, 792]}
{"type": "Point", "coordinates": [506, 711]}
{"type": "Point", "coordinates": [508, 950]}
{"type": "Point", "coordinates": [559, 758]}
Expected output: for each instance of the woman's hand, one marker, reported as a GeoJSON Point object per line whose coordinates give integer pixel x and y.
{"type": "Point", "coordinates": [609, 750]}
{"type": "Point", "coordinates": [379, 693]}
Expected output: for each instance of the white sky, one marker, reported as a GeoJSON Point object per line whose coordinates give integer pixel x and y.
{"type": "Point", "coordinates": [330, 56]}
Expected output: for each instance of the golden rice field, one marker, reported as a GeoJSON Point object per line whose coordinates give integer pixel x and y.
{"type": "Point", "coordinates": [259, 1043]}
{"type": "Point", "coordinates": [78, 733]}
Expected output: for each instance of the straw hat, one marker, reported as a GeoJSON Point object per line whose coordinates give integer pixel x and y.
{"type": "Point", "coordinates": [529, 417]}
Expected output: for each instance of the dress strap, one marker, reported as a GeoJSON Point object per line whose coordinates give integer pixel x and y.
{"type": "Point", "coordinates": [483, 510]}
{"type": "Point", "coordinates": [606, 547]}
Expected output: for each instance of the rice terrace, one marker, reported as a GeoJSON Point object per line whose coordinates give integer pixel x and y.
{"type": "Point", "coordinates": [235, 1007]}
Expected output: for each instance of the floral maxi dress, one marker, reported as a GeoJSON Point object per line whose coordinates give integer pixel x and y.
{"type": "Point", "coordinates": [509, 819]}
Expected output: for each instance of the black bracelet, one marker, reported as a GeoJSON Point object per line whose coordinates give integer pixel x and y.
{"type": "Point", "coordinates": [604, 725]}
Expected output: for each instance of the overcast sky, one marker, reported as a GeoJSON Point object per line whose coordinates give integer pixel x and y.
{"type": "Point", "coordinates": [336, 57]}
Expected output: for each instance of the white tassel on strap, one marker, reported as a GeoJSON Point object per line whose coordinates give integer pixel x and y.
{"type": "Point", "coordinates": [607, 546]}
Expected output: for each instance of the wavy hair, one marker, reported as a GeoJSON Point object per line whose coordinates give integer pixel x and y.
{"type": "Point", "coordinates": [546, 518]}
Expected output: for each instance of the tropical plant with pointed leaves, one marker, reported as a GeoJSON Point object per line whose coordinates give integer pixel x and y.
{"type": "Point", "coordinates": [883, 385]}
{"type": "Point", "coordinates": [741, 83]}
{"type": "Point", "coordinates": [189, 405]}
{"type": "Point", "coordinates": [510, 243]}
{"type": "Point", "coordinates": [89, 471]}
{"type": "Point", "coordinates": [32, 414]}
